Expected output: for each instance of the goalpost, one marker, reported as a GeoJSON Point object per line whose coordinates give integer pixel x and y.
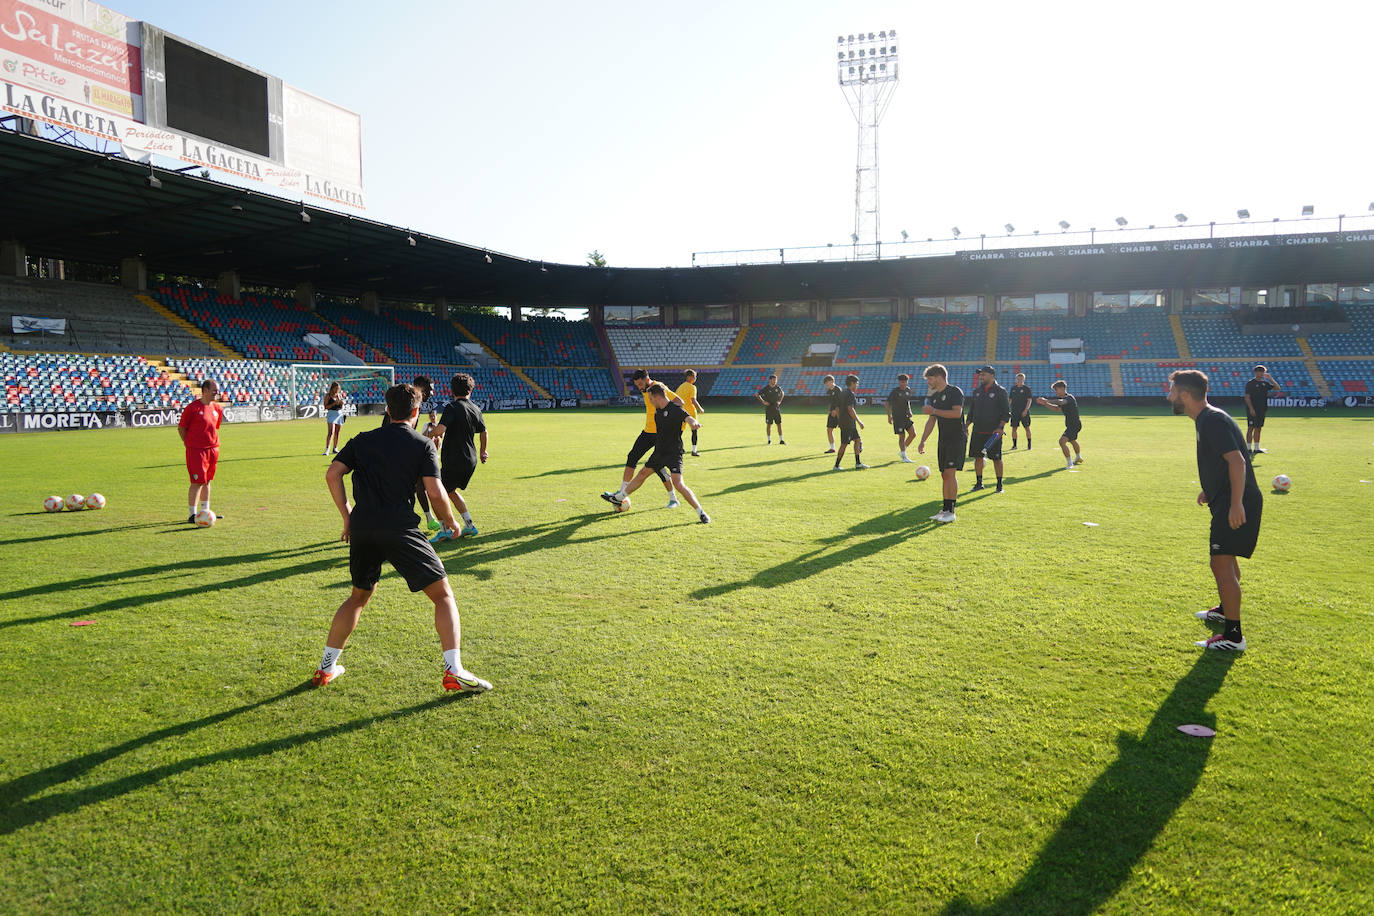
{"type": "Point", "coordinates": [361, 384]}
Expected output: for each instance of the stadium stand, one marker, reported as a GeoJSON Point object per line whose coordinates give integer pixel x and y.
{"type": "Point", "coordinates": [585, 384]}
{"type": "Point", "coordinates": [1345, 376]}
{"type": "Point", "coordinates": [536, 341]}
{"type": "Point", "coordinates": [100, 319]}
{"type": "Point", "coordinates": [953, 338]}
{"type": "Point", "coordinates": [1358, 341]}
{"type": "Point", "coordinates": [408, 336]}
{"type": "Point", "coordinates": [1227, 378]}
{"type": "Point", "coordinates": [680, 346]}
{"type": "Point", "coordinates": [67, 381]}
{"type": "Point", "coordinates": [1138, 334]}
{"type": "Point", "coordinates": [1219, 337]}
{"type": "Point", "coordinates": [492, 382]}
{"type": "Point", "coordinates": [785, 340]}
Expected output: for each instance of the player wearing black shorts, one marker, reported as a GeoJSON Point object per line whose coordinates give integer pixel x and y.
{"type": "Point", "coordinates": [1066, 402]}
{"type": "Point", "coordinates": [644, 442]}
{"type": "Point", "coordinates": [945, 406]}
{"type": "Point", "coordinates": [899, 415]}
{"type": "Point", "coordinates": [669, 417]}
{"type": "Point", "coordinates": [460, 421]}
{"type": "Point", "coordinates": [988, 412]}
{"type": "Point", "coordinates": [850, 424]}
{"type": "Point", "coordinates": [1230, 491]}
{"type": "Point", "coordinates": [386, 465]}
{"type": "Point", "coordinates": [423, 385]}
{"type": "Point", "coordinates": [770, 396]}
{"type": "Point", "coordinates": [1020, 397]}
{"type": "Point", "coordinates": [1256, 406]}
{"type": "Point", "coordinates": [834, 394]}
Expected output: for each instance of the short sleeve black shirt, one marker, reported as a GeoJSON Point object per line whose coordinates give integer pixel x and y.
{"type": "Point", "coordinates": [771, 394]}
{"type": "Point", "coordinates": [1020, 396]}
{"type": "Point", "coordinates": [836, 398]}
{"type": "Point", "coordinates": [1258, 389]}
{"type": "Point", "coordinates": [847, 400]}
{"type": "Point", "coordinates": [668, 421]}
{"type": "Point", "coordinates": [951, 428]}
{"type": "Point", "coordinates": [461, 420]}
{"type": "Point", "coordinates": [900, 402]}
{"type": "Point", "coordinates": [1069, 404]}
{"type": "Point", "coordinates": [1218, 434]}
{"type": "Point", "coordinates": [387, 463]}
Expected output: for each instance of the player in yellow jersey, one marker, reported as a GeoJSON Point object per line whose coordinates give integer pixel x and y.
{"type": "Point", "coordinates": [645, 443]}
{"type": "Point", "coordinates": [687, 393]}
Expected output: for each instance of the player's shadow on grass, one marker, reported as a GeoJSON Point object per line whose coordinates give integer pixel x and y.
{"type": "Point", "coordinates": [1115, 822]}
{"type": "Point", "coordinates": [766, 482]}
{"type": "Point", "coordinates": [562, 472]}
{"type": "Point", "coordinates": [763, 464]}
{"type": "Point", "coordinates": [191, 568]}
{"type": "Point", "coordinates": [18, 808]}
{"type": "Point", "coordinates": [182, 464]}
{"type": "Point", "coordinates": [860, 541]}
{"type": "Point", "coordinates": [519, 542]}
{"type": "Point", "coordinates": [83, 533]}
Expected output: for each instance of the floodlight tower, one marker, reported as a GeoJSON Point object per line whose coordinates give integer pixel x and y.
{"type": "Point", "coordinates": [867, 67]}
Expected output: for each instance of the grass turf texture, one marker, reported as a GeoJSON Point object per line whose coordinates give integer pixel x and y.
{"type": "Point", "coordinates": [822, 702]}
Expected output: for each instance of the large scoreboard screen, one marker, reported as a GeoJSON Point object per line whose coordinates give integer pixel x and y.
{"type": "Point", "coordinates": [216, 99]}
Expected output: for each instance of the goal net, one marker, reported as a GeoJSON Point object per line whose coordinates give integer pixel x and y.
{"type": "Point", "coordinates": [361, 385]}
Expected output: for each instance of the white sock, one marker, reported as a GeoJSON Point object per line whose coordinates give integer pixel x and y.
{"type": "Point", "coordinates": [453, 660]}
{"type": "Point", "coordinates": [467, 517]}
{"type": "Point", "coordinates": [330, 657]}
{"type": "Point", "coordinates": [192, 507]}
{"type": "Point", "coordinates": [622, 490]}
{"type": "Point", "coordinates": [205, 505]}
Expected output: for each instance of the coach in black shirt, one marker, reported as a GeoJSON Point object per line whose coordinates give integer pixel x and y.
{"type": "Point", "coordinates": [1229, 489]}
{"type": "Point", "coordinates": [988, 412]}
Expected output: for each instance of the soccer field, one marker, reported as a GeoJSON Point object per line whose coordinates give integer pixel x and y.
{"type": "Point", "coordinates": [821, 702]}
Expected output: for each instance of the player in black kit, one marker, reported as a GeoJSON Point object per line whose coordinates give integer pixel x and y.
{"type": "Point", "coordinates": [460, 421]}
{"type": "Point", "coordinates": [945, 406]}
{"type": "Point", "coordinates": [988, 412]}
{"type": "Point", "coordinates": [1230, 490]}
{"type": "Point", "coordinates": [850, 424]}
{"type": "Point", "coordinates": [1256, 406]}
{"type": "Point", "coordinates": [1066, 402]}
{"type": "Point", "coordinates": [1020, 397]}
{"type": "Point", "coordinates": [834, 394]}
{"type": "Point", "coordinates": [669, 418]}
{"type": "Point", "coordinates": [770, 396]}
{"type": "Point", "coordinates": [899, 415]}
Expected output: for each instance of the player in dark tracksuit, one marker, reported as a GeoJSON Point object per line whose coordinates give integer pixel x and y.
{"type": "Point", "coordinates": [1230, 491]}
{"type": "Point", "coordinates": [988, 412]}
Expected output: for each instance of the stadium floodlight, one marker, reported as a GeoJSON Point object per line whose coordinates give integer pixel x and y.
{"type": "Point", "coordinates": [1121, 221]}
{"type": "Point", "coordinates": [487, 256]}
{"type": "Point", "coordinates": [1308, 210]}
{"type": "Point", "coordinates": [1064, 225]}
{"type": "Point", "coordinates": [410, 240]}
{"type": "Point", "coordinates": [305, 217]}
{"type": "Point", "coordinates": [955, 230]}
{"type": "Point", "coordinates": [1371, 208]}
{"type": "Point", "coordinates": [1242, 214]}
{"type": "Point", "coordinates": [1181, 217]}
{"type": "Point", "coordinates": [867, 69]}
{"type": "Point", "coordinates": [236, 208]}
{"type": "Point", "coordinates": [1010, 228]}
{"type": "Point", "coordinates": [904, 236]}
{"type": "Point", "coordinates": [153, 181]}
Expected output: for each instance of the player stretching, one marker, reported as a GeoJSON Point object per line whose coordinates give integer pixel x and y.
{"type": "Point", "coordinates": [687, 393]}
{"type": "Point", "coordinates": [1256, 406]}
{"type": "Point", "coordinates": [834, 394]}
{"type": "Point", "coordinates": [770, 396]}
{"type": "Point", "coordinates": [850, 424]}
{"type": "Point", "coordinates": [387, 464]}
{"type": "Point", "coordinates": [946, 407]}
{"type": "Point", "coordinates": [899, 415]}
{"type": "Point", "coordinates": [460, 421]}
{"type": "Point", "coordinates": [1066, 402]}
{"type": "Point", "coordinates": [1020, 397]}
{"type": "Point", "coordinates": [988, 412]}
{"type": "Point", "coordinates": [644, 442]}
{"type": "Point", "coordinates": [199, 429]}
{"type": "Point", "coordinates": [1229, 489]}
{"type": "Point", "coordinates": [669, 418]}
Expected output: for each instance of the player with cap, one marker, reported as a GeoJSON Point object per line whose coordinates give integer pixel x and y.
{"type": "Point", "coordinates": [988, 412]}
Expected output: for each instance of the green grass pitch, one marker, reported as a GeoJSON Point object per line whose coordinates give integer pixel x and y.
{"type": "Point", "coordinates": [819, 703]}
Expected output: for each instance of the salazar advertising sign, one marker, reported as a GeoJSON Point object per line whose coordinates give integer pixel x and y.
{"type": "Point", "coordinates": [74, 49]}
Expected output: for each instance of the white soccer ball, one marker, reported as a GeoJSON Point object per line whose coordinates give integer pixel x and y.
{"type": "Point", "coordinates": [53, 504]}
{"type": "Point", "coordinates": [205, 518]}
{"type": "Point", "coordinates": [76, 502]}
{"type": "Point", "coordinates": [922, 472]}
{"type": "Point", "coordinates": [623, 505]}
{"type": "Point", "coordinates": [95, 501]}
{"type": "Point", "coordinates": [1282, 483]}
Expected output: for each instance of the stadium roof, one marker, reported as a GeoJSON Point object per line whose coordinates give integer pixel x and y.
{"type": "Point", "coordinates": [63, 202]}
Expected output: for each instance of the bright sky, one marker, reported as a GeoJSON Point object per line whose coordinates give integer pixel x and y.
{"type": "Point", "coordinates": [649, 131]}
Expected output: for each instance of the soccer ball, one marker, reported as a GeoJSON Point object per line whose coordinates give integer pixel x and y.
{"type": "Point", "coordinates": [1282, 483]}
{"type": "Point", "coordinates": [95, 501]}
{"type": "Point", "coordinates": [76, 502]}
{"type": "Point", "coordinates": [623, 505]}
{"type": "Point", "coordinates": [53, 504]}
{"type": "Point", "coordinates": [205, 518]}
{"type": "Point", "coordinates": [922, 472]}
